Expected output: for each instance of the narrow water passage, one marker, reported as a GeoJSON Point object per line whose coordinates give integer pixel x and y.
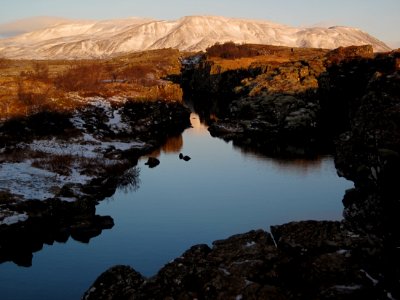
{"type": "Point", "coordinates": [219, 192]}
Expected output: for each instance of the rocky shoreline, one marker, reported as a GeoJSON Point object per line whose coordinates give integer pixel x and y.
{"type": "Point", "coordinates": [300, 260]}
{"type": "Point", "coordinates": [348, 97]}
{"type": "Point", "coordinates": [59, 165]}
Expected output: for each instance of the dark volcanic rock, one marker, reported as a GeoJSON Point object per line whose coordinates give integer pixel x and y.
{"type": "Point", "coordinates": [298, 104]}
{"type": "Point", "coordinates": [152, 162]}
{"type": "Point", "coordinates": [311, 236]}
{"type": "Point", "coordinates": [352, 97]}
{"type": "Point", "coordinates": [369, 152]}
{"type": "Point", "coordinates": [274, 109]}
{"type": "Point", "coordinates": [351, 52]}
{"type": "Point", "coordinates": [117, 283]}
{"type": "Point", "coordinates": [250, 266]}
{"type": "Point", "coordinates": [232, 268]}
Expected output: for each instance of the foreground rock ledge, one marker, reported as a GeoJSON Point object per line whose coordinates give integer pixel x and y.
{"type": "Point", "coordinates": [299, 260]}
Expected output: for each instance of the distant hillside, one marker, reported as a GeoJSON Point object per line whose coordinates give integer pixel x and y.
{"type": "Point", "coordinates": [96, 39]}
{"type": "Point", "coordinates": [29, 24]}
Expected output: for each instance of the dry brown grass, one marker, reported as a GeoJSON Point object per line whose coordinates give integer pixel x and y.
{"type": "Point", "coordinates": [57, 163]}
{"type": "Point", "coordinates": [63, 164]}
{"type": "Point", "coordinates": [27, 87]}
{"type": "Point", "coordinates": [81, 77]}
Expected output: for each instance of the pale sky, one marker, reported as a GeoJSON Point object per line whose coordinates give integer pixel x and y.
{"type": "Point", "coordinates": [377, 17]}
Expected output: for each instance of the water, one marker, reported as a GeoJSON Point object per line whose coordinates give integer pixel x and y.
{"type": "Point", "coordinates": [221, 191]}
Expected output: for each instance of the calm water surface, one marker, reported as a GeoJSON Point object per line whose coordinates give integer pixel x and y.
{"type": "Point", "coordinates": [221, 191]}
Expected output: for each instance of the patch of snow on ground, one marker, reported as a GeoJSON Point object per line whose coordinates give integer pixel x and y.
{"type": "Point", "coordinates": [24, 180]}
{"type": "Point", "coordinates": [78, 122]}
{"type": "Point", "coordinates": [89, 138]}
{"type": "Point", "coordinates": [347, 287]}
{"type": "Point", "coordinates": [373, 280]}
{"type": "Point", "coordinates": [390, 296]}
{"type": "Point", "coordinates": [33, 183]}
{"type": "Point", "coordinates": [193, 60]}
{"type": "Point", "coordinates": [10, 217]}
{"type": "Point", "coordinates": [116, 124]}
{"type": "Point", "coordinates": [76, 177]}
{"type": "Point", "coordinates": [80, 148]}
{"type": "Point", "coordinates": [64, 148]}
{"type": "Point", "coordinates": [250, 244]}
{"type": "Point", "coordinates": [125, 145]}
{"type": "Point", "coordinates": [29, 182]}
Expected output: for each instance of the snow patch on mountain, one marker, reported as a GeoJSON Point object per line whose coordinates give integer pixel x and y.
{"type": "Point", "coordinates": [96, 39]}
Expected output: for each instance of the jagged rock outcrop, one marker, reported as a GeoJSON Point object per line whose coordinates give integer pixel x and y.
{"type": "Point", "coordinates": [369, 152]}
{"type": "Point", "coordinates": [310, 260]}
{"type": "Point", "coordinates": [300, 104]}
{"type": "Point", "coordinates": [119, 282]}
{"type": "Point", "coordinates": [274, 107]}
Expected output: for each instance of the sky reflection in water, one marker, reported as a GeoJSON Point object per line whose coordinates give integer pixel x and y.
{"type": "Point", "coordinates": [221, 191]}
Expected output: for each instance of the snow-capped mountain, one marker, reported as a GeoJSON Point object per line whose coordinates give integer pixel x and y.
{"type": "Point", "coordinates": [95, 39]}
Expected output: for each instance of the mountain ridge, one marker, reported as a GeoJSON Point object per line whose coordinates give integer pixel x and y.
{"type": "Point", "coordinates": [99, 39]}
{"type": "Point", "coordinates": [21, 26]}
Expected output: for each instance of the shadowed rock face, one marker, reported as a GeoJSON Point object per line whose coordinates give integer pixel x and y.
{"type": "Point", "coordinates": [311, 260]}
{"type": "Point", "coordinates": [354, 101]}
{"type": "Point", "coordinates": [300, 104]}
{"type": "Point", "coordinates": [117, 283]}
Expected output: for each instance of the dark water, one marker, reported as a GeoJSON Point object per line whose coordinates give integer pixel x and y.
{"type": "Point", "coordinates": [221, 191]}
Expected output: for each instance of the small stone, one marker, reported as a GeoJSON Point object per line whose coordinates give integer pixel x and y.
{"type": "Point", "coordinates": [152, 162]}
